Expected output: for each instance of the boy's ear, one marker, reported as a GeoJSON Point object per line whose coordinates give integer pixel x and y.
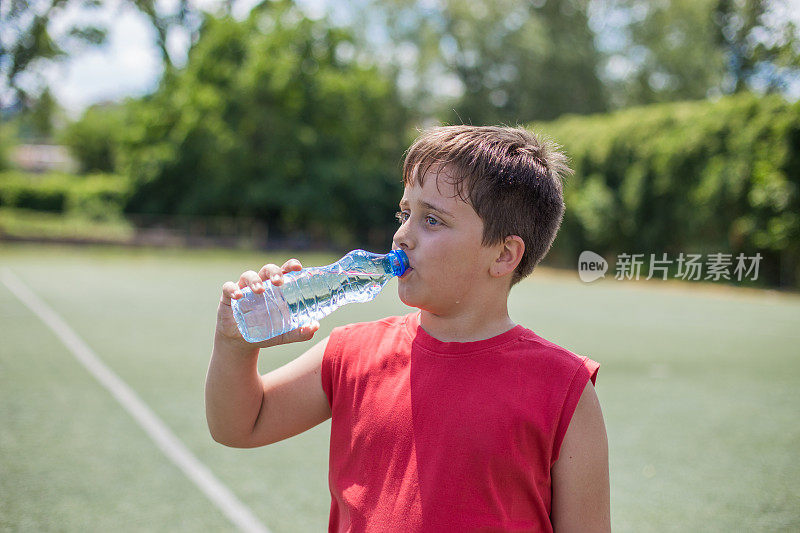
{"type": "Point", "coordinates": [511, 251]}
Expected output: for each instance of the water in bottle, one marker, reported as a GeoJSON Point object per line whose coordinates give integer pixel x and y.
{"type": "Point", "coordinates": [315, 292]}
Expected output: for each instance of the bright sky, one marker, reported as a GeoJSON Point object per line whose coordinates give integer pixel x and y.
{"type": "Point", "coordinates": [128, 64]}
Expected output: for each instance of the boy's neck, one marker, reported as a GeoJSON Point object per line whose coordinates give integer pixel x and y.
{"type": "Point", "coordinates": [477, 325]}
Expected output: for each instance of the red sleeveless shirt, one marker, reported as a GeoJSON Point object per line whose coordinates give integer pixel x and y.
{"type": "Point", "coordinates": [445, 436]}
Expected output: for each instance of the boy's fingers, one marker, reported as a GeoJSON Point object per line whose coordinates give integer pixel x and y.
{"type": "Point", "coordinates": [230, 291]}
{"type": "Point", "coordinates": [271, 272]}
{"type": "Point", "coordinates": [267, 271]}
{"type": "Point", "coordinates": [252, 280]}
{"type": "Point", "coordinates": [292, 265]}
{"type": "Point", "coordinates": [303, 333]}
{"type": "Point", "coordinates": [255, 281]}
{"type": "Point", "coordinates": [296, 335]}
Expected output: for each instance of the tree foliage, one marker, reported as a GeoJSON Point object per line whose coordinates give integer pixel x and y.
{"type": "Point", "coordinates": [94, 139]}
{"type": "Point", "coordinates": [687, 177]}
{"type": "Point", "coordinates": [497, 61]}
{"type": "Point", "coordinates": [302, 123]}
{"type": "Point", "coordinates": [96, 196]}
{"type": "Point", "coordinates": [267, 120]}
{"type": "Point", "coordinates": [27, 38]}
{"type": "Point", "coordinates": [34, 32]}
{"type": "Point", "coordinates": [692, 49]}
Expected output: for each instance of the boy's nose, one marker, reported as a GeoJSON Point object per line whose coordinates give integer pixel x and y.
{"type": "Point", "coordinates": [402, 239]}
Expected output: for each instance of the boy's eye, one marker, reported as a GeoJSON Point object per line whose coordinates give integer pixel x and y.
{"type": "Point", "coordinates": [430, 221]}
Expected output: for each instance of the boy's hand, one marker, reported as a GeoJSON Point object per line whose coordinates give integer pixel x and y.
{"type": "Point", "coordinates": [226, 324]}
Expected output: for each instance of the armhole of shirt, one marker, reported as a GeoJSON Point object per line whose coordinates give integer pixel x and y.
{"type": "Point", "coordinates": [585, 373]}
{"type": "Point", "coordinates": [330, 362]}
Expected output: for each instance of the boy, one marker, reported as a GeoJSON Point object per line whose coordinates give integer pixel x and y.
{"type": "Point", "coordinates": [452, 418]}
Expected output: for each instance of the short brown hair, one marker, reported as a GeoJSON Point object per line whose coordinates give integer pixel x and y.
{"type": "Point", "coordinates": [511, 178]}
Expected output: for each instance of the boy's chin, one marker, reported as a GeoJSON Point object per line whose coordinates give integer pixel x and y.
{"type": "Point", "coordinates": [405, 299]}
{"type": "Point", "coordinates": [408, 298]}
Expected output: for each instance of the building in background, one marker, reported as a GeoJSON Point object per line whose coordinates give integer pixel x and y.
{"type": "Point", "coordinates": [42, 158]}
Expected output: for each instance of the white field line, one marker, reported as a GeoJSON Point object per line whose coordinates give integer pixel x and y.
{"type": "Point", "coordinates": [155, 428]}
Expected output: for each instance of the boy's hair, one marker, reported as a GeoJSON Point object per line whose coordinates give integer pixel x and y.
{"type": "Point", "coordinates": [510, 177]}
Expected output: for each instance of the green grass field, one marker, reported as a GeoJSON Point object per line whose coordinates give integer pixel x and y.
{"type": "Point", "coordinates": [699, 387]}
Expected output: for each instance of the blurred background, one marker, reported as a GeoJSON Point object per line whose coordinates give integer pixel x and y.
{"type": "Point", "coordinates": [284, 123]}
{"type": "Point", "coordinates": [150, 150]}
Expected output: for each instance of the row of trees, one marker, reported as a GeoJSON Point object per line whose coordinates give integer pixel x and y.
{"type": "Point", "coordinates": [495, 61]}
{"type": "Point", "coordinates": [705, 177]}
{"type": "Point", "coordinates": [271, 118]}
{"type": "Point", "coordinates": [302, 121]}
{"type": "Point", "coordinates": [695, 177]}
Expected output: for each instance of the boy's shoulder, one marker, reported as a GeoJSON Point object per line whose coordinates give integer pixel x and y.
{"type": "Point", "coordinates": [534, 341]}
{"type": "Point", "coordinates": [552, 354]}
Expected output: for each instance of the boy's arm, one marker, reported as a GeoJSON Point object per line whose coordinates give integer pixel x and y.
{"type": "Point", "coordinates": [244, 409]}
{"type": "Point", "coordinates": [581, 493]}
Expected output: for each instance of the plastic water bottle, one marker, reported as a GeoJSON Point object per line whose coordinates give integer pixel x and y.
{"type": "Point", "coordinates": [313, 293]}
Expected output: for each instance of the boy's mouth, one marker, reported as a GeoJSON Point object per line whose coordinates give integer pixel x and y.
{"type": "Point", "coordinates": [406, 273]}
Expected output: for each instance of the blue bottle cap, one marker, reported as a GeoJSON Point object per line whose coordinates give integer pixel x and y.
{"type": "Point", "coordinates": [398, 261]}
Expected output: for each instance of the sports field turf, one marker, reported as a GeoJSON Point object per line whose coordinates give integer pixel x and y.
{"type": "Point", "coordinates": [700, 388]}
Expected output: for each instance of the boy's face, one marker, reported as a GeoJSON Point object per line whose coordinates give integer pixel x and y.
{"type": "Point", "coordinates": [442, 235]}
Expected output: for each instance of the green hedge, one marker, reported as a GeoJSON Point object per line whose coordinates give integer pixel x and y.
{"type": "Point", "coordinates": [694, 177]}
{"type": "Point", "coordinates": [96, 196]}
